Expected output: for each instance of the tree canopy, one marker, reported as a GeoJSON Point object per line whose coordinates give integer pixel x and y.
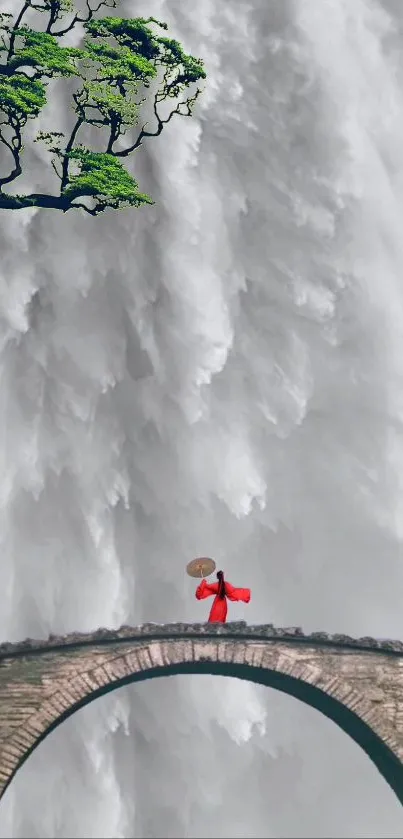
{"type": "Point", "coordinates": [120, 63]}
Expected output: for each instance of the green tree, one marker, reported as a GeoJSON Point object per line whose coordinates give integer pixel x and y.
{"type": "Point", "coordinates": [120, 59]}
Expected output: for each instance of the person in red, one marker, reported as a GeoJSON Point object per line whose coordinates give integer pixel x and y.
{"type": "Point", "coordinates": [222, 591]}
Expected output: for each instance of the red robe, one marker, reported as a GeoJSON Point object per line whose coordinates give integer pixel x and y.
{"type": "Point", "coordinates": [219, 608]}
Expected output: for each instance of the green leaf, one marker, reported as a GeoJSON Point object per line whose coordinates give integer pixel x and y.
{"type": "Point", "coordinates": [43, 51]}
{"type": "Point", "coordinates": [138, 39]}
{"type": "Point", "coordinates": [182, 69]}
{"type": "Point", "coordinates": [110, 103]}
{"type": "Point", "coordinates": [119, 63]}
{"type": "Point", "coordinates": [21, 96]}
{"type": "Point", "coordinates": [119, 59]}
{"type": "Point", "coordinates": [134, 33]}
{"type": "Point", "coordinates": [104, 177]}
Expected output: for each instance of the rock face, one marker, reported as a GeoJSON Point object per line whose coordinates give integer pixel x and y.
{"type": "Point", "coordinates": [356, 682]}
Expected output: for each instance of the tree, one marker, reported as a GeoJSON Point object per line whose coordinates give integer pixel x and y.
{"type": "Point", "coordinates": [120, 59]}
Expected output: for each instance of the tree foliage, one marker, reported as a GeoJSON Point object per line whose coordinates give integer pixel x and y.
{"type": "Point", "coordinates": [119, 62]}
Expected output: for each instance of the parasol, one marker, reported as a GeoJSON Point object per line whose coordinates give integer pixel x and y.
{"type": "Point", "coordinates": [203, 566]}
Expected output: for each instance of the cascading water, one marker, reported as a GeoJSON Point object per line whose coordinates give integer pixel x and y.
{"type": "Point", "coordinates": [219, 374]}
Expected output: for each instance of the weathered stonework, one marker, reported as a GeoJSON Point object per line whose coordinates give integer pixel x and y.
{"type": "Point", "coordinates": [357, 683]}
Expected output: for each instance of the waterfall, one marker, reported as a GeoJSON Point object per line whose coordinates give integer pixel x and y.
{"type": "Point", "coordinates": [218, 374]}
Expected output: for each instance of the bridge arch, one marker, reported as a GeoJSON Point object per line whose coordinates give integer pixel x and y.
{"type": "Point", "coordinates": [41, 688]}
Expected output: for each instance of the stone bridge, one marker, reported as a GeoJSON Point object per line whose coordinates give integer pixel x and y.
{"type": "Point", "coordinates": [356, 683]}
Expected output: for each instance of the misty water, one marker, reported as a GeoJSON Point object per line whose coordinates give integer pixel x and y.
{"type": "Point", "coordinates": [218, 374]}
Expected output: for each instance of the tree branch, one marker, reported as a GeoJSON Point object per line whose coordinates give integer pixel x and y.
{"type": "Point", "coordinates": [50, 202]}
{"type": "Point", "coordinates": [115, 125]}
{"type": "Point", "coordinates": [111, 4]}
{"type": "Point", "coordinates": [54, 167]}
{"type": "Point", "coordinates": [53, 17]}
{"type": "Point", "coordinates": [14, 146]}
{"type": "Point", "coordinates": [160, 122]}
{"type": "Point", "coordinates": [66, 159]}
{"type": "Point", "coordinates": [92, 211]}
{"type": "Point", "coordinates": [15, 28]}
{"type": "Point", "coordinates": [19, 202]}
